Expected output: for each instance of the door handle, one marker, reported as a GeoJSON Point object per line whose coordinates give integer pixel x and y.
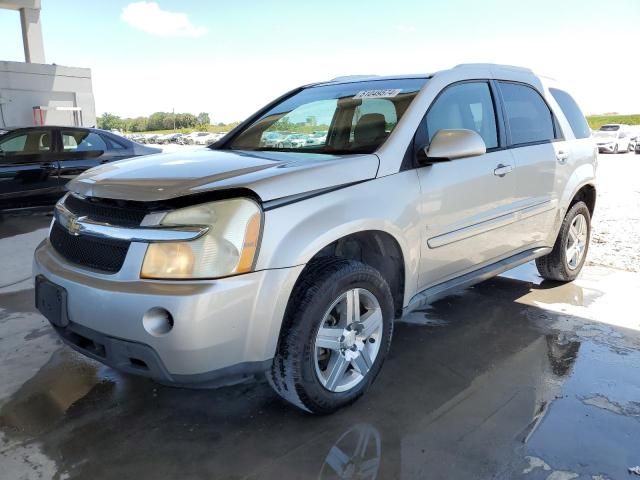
{"type": "Point", "coordinates": [501, 170]}
{"type": "Point", "coordinates": [562, 156]}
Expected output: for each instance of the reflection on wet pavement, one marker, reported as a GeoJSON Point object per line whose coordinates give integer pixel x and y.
{"type": "Point", "coordinates": [512, 378]}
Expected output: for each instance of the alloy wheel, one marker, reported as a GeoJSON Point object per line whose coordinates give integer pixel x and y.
{"type": "Point", "coordinates": [348, 340]}
{"type": "Point", "coordinates": [576, 241]}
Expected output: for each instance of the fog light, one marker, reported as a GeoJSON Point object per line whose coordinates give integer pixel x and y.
{"type": "Point", "coordinates": [157, 321]}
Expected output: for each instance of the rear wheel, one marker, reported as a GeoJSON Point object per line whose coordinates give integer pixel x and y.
{"type": "Point", "coordinates": [335, 336]}
{"type": "Point", "coordinates": [570, 250]}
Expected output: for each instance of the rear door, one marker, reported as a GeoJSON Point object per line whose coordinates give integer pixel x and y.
{"type": "Point", "coordinates": [581, 148]}
{"type": "Point", "coordinates": [466, 205]}
{"type": "Point", "coordinates": [79, 150]}
{"type": "Point", "coordinates": [538, 146]}
{"type": "Point", "coordinates": [28, 169]}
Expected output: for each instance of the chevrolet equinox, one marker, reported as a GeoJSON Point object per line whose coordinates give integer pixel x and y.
{"type": "Point", "coordinates": [261, 254]}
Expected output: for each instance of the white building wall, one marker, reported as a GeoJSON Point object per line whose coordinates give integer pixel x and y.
{"type": "Point", "coordinates": [27, 85]}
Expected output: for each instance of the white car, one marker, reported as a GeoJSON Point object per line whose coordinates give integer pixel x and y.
{"type": "Point", "coordinates": [190, 139]}
{"type": "Point", "coordinates": [613, 138]}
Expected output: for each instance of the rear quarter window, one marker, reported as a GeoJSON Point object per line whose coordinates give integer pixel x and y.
{"type": "Point", "coordinates": [572, 111]}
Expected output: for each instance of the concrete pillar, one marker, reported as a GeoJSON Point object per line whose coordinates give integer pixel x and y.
{"type": "Point", "coordinates": [32, 35]}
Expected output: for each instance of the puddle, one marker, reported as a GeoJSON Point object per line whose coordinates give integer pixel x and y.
{"type": "Point", "coordinates": [492, 383]}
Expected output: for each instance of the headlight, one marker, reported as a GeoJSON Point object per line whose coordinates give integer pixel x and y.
{"type": "Point", "coordinates": [228, 248]}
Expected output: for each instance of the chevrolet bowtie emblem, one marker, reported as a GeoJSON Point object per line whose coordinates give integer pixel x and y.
{"type": "Point", "coordinates": [73, 226]}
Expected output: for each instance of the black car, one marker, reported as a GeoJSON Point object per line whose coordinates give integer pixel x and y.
{"type": "Point", "coordinates": [37, 162]}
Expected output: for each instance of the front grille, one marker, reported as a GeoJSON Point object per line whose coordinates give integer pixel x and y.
{"type": "Point", "coordinates": [102, 254]}
{"type": "Point", "coordinates": [108, 211]}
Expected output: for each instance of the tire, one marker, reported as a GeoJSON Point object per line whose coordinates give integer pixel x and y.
{"type": "Point", "coordinates": [556, 266]}
{"type": "Point", "coordinates": [615, 149]}
{"type": "Point", "coordinates": [297, 373]}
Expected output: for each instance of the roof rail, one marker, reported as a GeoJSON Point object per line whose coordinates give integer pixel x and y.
{"type": "Point", "coordinates": [495, 65]}
{"type": "Point", "coordinates": [351, 77]}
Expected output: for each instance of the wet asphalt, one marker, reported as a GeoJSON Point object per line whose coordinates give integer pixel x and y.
{"type": "Point", "coordinates": [513, 378]}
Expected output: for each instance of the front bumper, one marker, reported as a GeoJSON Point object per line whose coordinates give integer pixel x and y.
{"type": "Point", "coordinates": [223, 330]}
{"type": "Point", "coordinates": [606, 147]}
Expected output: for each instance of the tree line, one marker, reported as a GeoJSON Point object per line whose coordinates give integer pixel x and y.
{"type": "Point", "coordinates": [155, 121]}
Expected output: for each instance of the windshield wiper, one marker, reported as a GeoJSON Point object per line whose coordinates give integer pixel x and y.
{"type": "Point", "coordinates": [322, 151]}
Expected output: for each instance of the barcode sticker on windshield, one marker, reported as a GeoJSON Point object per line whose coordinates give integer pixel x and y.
{"type": "Point", "coordinates": [383, 93]}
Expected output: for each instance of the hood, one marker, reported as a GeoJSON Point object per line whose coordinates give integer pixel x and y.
{"type": "Point", "coordinates": [604, 136]}
{"type": "Point", "coordinates": [270, 175]}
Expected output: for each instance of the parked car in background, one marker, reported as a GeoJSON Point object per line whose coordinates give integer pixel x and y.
{"type": "Point", "coordinates": [316, 138]}
{"type": "Point", "coordinates": [217, 137]}
{"type": "Point", "coordinates": [138, 137]}
{"type": "Point", "coordinates": [168, 138]}
{"type": "Point", "coordinates": [295, 262]}
{"type": "Point", "coordinates": [295, 140]}
{"type": "Point", "coordinates": [36, 163]}
{"type": "Point", "coordinates": [190, 139]}
{"type": "Point", "coordinates": [206, 139]}
{"type": "Point", "coordinates": [153, 137]}
{"type": "Point", "coordinates": [612, 138]}
{"type": "Point", "coordinates": [271, 139]}
{"type": "Point", "coordinates": [634, 138]}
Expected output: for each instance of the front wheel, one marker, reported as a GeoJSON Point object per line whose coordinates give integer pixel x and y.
{"type": "Point", "coordinates": [570, 250]}
{"type": "Point", "coordinates": [335, 335]}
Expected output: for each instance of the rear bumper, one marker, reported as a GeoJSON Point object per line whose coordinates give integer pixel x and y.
{"type": "Point", "coordinates": [221, 328]}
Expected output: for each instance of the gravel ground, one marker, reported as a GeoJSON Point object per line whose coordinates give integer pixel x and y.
{"type": "Point", "coordinates": [615, 240]}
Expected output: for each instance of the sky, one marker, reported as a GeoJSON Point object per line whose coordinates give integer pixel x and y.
{"type": "Point", "coordinates": [230, 58]}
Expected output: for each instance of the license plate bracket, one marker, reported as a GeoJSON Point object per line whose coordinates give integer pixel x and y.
{"type": "Point", "coordinates": [51, 301]}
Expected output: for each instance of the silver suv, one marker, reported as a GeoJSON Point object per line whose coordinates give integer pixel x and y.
{"type": "Point", "coordinates": [206, 267]}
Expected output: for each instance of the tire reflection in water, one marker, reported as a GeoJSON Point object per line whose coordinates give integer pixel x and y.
{"type": "Point", "coordinates": [355, 455]}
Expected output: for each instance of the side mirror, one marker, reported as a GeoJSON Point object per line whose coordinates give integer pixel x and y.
{"type": "Point", "coordinates": [450, 144]}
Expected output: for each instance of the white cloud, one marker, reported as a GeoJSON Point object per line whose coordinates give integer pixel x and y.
{"type": "Point", "coordinates": [150, 18]}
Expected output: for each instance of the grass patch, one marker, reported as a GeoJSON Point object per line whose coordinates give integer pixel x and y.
{"type": "Point", "coordinates": [596, 121]}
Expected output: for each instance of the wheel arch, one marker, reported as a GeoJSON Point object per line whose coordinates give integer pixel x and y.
{"type": "Point", "coordinates": [376, 248]}
{"type": "Point", "coordinates": [587, 194]}
{"type": "Point", "coordinates": [582, 182]}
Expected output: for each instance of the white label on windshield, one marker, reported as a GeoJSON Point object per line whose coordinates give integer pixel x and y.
{"type": "Point", "coordinates": [384, 93]}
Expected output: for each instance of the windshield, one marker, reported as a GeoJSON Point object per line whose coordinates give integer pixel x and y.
{"type": "Point", "coordinates": [332, 119]}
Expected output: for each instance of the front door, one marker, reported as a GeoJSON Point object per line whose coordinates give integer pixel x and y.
{"type": "Point", "coordinates": [28, 169]}
{"type": "Point", "coordinates": [467, 205]}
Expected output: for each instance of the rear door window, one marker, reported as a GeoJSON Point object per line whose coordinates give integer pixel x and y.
{"type": "Point", "coordinates": [82, 141]}
{"type": "Point", "coordinates": [573, 113]}
{"type": "Point", "coordinates": [529, 118]}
